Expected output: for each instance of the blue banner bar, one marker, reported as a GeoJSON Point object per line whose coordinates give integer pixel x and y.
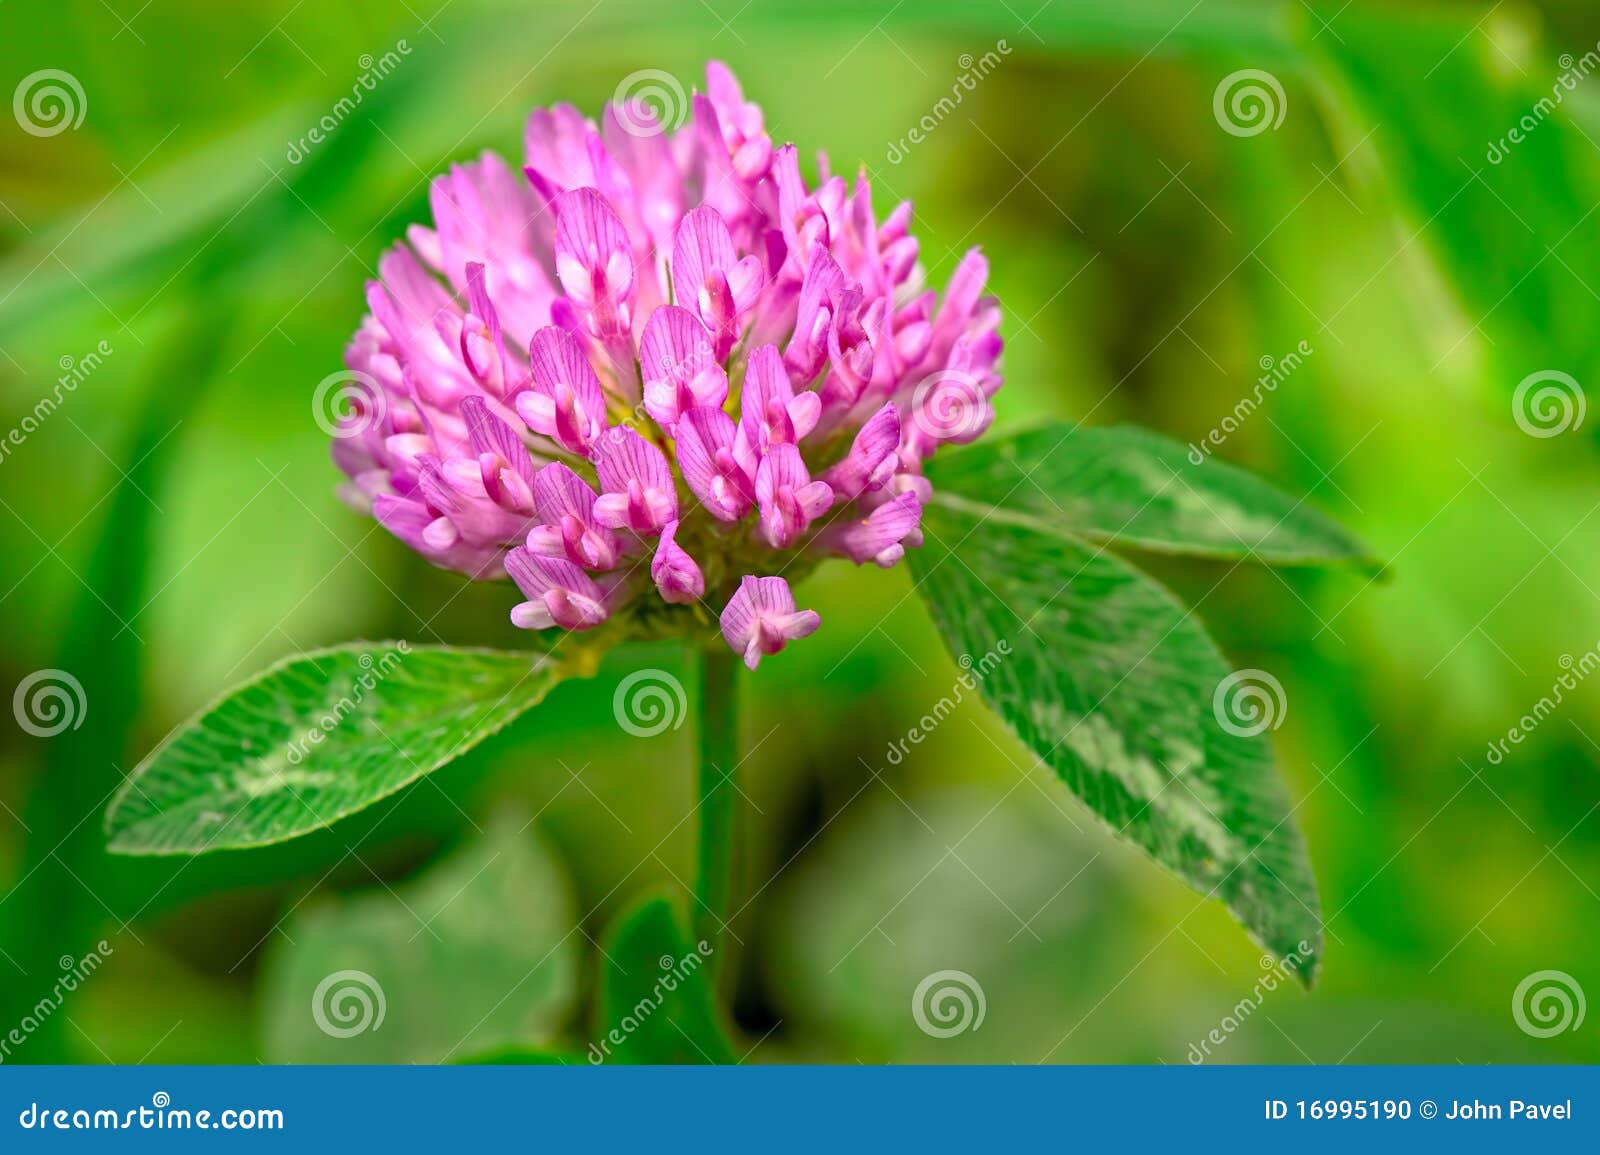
{"type": "Point", "coordinates": [801, 1108]}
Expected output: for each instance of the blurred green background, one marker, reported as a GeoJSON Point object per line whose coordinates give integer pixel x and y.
{"type": "Point", "coordinates": [172, 528]}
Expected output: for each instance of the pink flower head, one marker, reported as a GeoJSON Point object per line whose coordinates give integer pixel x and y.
{"type": "Point", "coordinates": [659, 351]}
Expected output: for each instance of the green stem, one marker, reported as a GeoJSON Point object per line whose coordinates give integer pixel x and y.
{"type": "Point", "coordinates": [719, 757]}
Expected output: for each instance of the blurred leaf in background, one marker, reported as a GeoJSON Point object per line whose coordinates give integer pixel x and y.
{"type": "Point", "coordinates": [476, 954]}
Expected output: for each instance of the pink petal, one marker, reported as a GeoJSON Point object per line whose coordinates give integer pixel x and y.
{"type": "Point", "coordinates": [675, 573]}
{"type": "Point", "coordinates": [760, 619]}
{"type": "Point", "coordinates": [872, 457]}
{"type": "Point", "coordinates": [707, 460]}
{"type": "Point", "coordinates": [594, 259]}
{"type": "Point", "coordinates": [558, 593]}
{"type": "Point", "coordinates": [565, 402]}
{"type": "Point", "coordinates": [680, 372]}
{"type": "Point", "coordinates": [789, 499]}
{"type": "Point", "coordinates": [878, 536]}
{"type": "Point", "coordinates": [639, 490]}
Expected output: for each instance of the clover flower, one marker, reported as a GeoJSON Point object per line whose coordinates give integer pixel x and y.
{"type": "Point", "coordinates": [653, 376]}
